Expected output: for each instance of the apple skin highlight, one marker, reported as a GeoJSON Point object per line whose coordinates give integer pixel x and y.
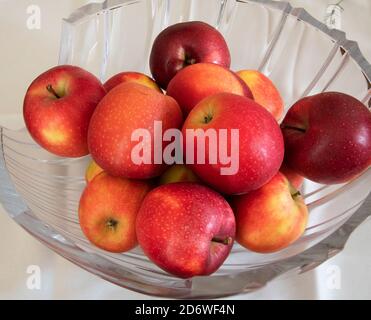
{"type": "Point", "coordinates": [186, 229]}
{"type": "Point", "coordinates": [58, 107]}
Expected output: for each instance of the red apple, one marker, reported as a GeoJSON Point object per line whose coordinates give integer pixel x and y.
{"type": "Point", "coordinates": [201, 80]}
{"type": "Point", "coordinates": [108, 210]}
{"type": "Point", "coordinates": [256, 153]}
{"type": "Point", "coordinates": [136, 77]}
{"type": "Point", "coordinates": [186, 229]}
{"type": "Point", "coordinates": [57, 109]}
{"type": "Point", "coordinates": [328, 137]}
{"type": "Point", "coordinates": [178, 173]}
{"type": "Point", "coordinates": [270, 218]}
{"type": "Point", "coordinates": [264, 91]}
{"type": "Point", "coordinates": [185, 44]}
{"type": "Point", "coordinates": [126, 108]}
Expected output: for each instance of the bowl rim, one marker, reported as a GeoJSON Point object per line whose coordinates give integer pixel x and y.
{"type": "Point", "coordinates": [339, 37]}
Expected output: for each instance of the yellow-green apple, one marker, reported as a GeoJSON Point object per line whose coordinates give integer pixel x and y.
{"type": "Point", "coordinates": [136, 77]}
{"type": "Point", "coordinates": [113, 126]}
{"type": "Point", "coordinates": [196, 82]}
{"type": "Point", "coordinates": [264, 91]}
{"type": "Point", "coordinates": [178, 173]}
{"type": "Point", "coordinates": [328, 137]}
{"type": "Point", "coordinates": [108, 211]}
{"type": "Point", "coordinates": [57, 109]}
{"type": "Point", "coordinates": [92, 171]}
{"type": "Point", "coordinates": [252, 143]}
{"type": "Point", "coordinates": [184, 44]}
{"type": "Point", "coordinates": [270, 218]}
{"type": "Point", "coordinates": [295, 179]}
{"type": "Point", "coordinates": [186, 229]}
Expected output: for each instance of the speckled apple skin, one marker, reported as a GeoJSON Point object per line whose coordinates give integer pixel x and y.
{"type": "Point", "coordinates": [195, 40]}
{"type": "Point", "coordinates": [61, 125]}
{"type": "Point", "coordinates": [334, 145]}
{"type": "Point", "coordinates": [271, 218]}
{"type": "Point", "coordinates": [128, 107]}
{"type": "Point", "coordinates": [201, 80]}
{"type": "Point", "coordinates": [107, 197]}
{"type": "Point", "coordinates": [175, 226]}
{"type": "Point", "coordinates": [261, 147]}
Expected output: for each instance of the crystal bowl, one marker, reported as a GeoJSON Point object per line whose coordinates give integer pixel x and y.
{"type": "Point", "coordinates": [41, 191]}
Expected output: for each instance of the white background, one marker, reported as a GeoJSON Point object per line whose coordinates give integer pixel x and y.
{"type": "Point", "coordinates": [26, 53]}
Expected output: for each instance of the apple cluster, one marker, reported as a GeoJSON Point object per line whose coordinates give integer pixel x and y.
{"type": "Point", "coordinates": [186, 217]}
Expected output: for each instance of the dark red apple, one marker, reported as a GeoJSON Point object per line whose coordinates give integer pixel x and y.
{"type": "Point", "coordinates": [184, 44]}
{"type": "Point", "coordinates": [328, 137]}
{"type": "Point", "coordinates": [57, 109]}
{"type": "Point", "coordinates": [186, 229]}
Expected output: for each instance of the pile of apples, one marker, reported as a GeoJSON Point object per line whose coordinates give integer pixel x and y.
{"type": "Point", "coordinates": [186, 217]}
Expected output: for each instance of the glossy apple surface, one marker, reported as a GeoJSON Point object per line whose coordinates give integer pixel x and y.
{"type": "Point", "coordinates": [186, 229]}
{"type": "Point", "coordinates": [57, 109]}
{"type": "Point", "coordinates": [184, 44]}
{"type": "Point", "coordinates": [328, 137]}
{"type": "Point", "coordinates": [271, 218]}
{"type": "Point", "coordinates": [126, 108]}
{"type": "Point", "coordinates": [258, 150]}
{"type": "Point", "coordinates": [108, 210]}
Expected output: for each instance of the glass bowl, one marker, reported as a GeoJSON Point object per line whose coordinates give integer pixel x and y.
{"type": "Point", "coordinates": [41, 191]}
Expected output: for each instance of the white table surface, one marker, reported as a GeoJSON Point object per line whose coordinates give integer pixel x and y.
{"type": "Point", "coordinates": [24, 53]}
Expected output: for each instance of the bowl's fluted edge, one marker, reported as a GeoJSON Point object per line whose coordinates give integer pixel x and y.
{"type": "Point", "coordinates": [300, 13]}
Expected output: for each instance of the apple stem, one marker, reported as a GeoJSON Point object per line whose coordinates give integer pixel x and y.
{"type": "Point", "coordinates": [111, 223]}
{"type": "Point", "coordinates": [208, 118]}
{"type": "Point", "coordinates": [226, 241]}
{"type": "Point", "coordinates": [294, 128]}
{"type": "Point", "coordinates": [297, 193]}
{"type": "Point", "coordinates": [188, 60]}
{"type": "Point", "coordinates": [50, 88]}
